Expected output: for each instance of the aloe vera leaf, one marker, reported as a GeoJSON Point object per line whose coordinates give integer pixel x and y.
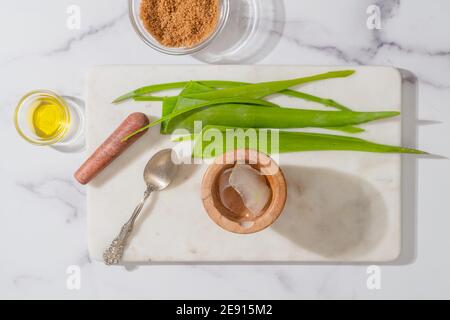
{"type": "Point", "coordinates": [179, 102]}
{"type": "Point", "coordinates": [195, 87]}
{"type": "Point", "coordinates": [202, 86]}
{"type": "Point", "coordinates": [169, 104]}
{"type": "Point", "coordinates": [167, 107]}
{"type": "Point", "coordinates": [264, 89]}
{"type": "Point", "coordinates": [292, 93]}
{"type": "Point", "coordinates": [222, 102]}
{"type": "Point", "coordinates": [309, 97]}
{"type": "Point", "coordinates": [251, 116]}
{"type": "Point", "coordinates": [141, 94]}
{"type": "Point", "coordinates": [245, 115]}
{"type": "Point", "coordinates": [188, 137]}
{"type": "Point", "coordinates": [149, 98]}
{"type": "Point", "coordinates": [347, 129]}
{"type": "Point", "coordinates": [301, 141]}
{"type": "Point", "coordinates": [191, 88]}
{"type": "Point", "coordinates": [173, 85]}
{"type": "Point", "coordinates": [150, 89]}
{"type": "Point", "coordinates": [297, 142]}
{"type": "Point", "coordinates": [301, 95]}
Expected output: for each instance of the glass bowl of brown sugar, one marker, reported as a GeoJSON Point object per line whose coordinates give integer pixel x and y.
{"type": "Point", "coordinates": [178, 27]}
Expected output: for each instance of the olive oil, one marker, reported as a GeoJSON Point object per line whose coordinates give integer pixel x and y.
{"type": "Point", "coordinates": [48, 118]}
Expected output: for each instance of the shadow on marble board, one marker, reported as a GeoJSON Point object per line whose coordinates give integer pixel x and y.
{"type": "Point", "coordinates": [338, 215]}
{"type": "Point", "coordinates": [185, 172]}
{"type": "Point", "coordinates": [410, 98]}
{"type": "Point", "coordinates": [410, 125]}
{"type": "Point", "coordinates": [252, 31]}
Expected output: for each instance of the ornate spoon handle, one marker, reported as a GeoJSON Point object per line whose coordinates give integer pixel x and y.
{"type": "Point", "coordinates": [113, 254]}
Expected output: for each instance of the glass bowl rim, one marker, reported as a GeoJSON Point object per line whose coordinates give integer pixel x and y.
{"type": "Point", "coordinates": [148, 39]}
{"type": "Point", "coordinates": [22, 103]}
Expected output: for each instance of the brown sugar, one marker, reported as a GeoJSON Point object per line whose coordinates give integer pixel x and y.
{"type": "Point", "coordinates": [180, 23]}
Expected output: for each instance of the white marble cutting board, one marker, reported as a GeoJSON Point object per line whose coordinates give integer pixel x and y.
{"type": "Point", "coordinates": [341, 207]}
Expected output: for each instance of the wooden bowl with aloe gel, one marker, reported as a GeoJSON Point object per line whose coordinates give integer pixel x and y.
{"type": "Point", "coordinates": [244, 191]}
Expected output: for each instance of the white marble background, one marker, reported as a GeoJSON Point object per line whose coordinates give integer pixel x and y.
{"type": "Point", "coordinates": [42, 210]}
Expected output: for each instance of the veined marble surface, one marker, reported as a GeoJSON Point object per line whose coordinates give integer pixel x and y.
{"type": "Point", "coordinates": [43, 210]}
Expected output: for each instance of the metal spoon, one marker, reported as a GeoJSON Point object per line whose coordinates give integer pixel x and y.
{"type": "Point", "coordinates": [158, 174]}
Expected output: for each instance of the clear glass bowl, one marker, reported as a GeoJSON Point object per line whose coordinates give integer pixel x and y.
{"type": "Point", "coordinates": [246, 38]}
{"type": "Point", "coordinates": [72, 119]}
{"type": "Point", "coordinates": [134, 8]}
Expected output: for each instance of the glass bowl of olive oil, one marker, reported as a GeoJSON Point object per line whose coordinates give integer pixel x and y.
{"type": "Point", "coordinates": [44, 118]}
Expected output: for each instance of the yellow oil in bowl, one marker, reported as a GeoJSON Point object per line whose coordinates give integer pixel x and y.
{"type": "Point", "coordinates": [43, 118]}
{"type": "Point", "coordinates": [48, 118]}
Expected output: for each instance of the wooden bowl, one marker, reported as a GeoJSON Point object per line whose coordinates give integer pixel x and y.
{"type": "Point", "coordinates": [238, 220]}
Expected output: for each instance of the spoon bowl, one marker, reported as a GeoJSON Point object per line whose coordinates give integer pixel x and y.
{"type": "Point", "coordinates": [161, 170]}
